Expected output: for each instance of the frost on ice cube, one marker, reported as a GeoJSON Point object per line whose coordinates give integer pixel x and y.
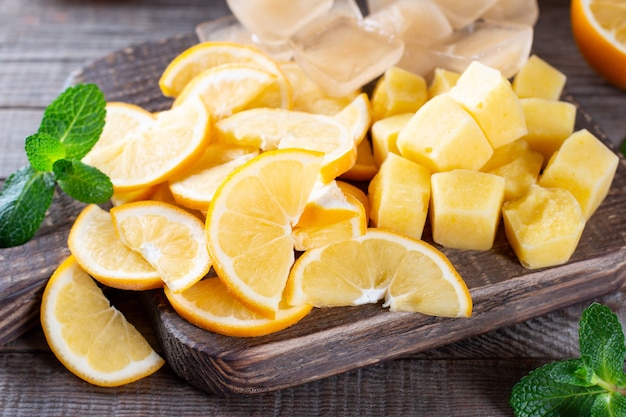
{"type": "Point", "coordinates": [342, 54]}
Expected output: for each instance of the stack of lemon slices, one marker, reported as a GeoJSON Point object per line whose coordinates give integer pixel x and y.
{"type": "Point", "coordinates": [213, 199]}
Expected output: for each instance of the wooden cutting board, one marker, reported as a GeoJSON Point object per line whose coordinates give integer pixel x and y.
{"type": "Point", "coordinates": [327, 341]}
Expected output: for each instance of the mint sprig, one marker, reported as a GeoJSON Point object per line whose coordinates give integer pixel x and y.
{"type": "Point", "coordinates": [71, 126]}
{"type": "Point", "coordinates": [592, 385]}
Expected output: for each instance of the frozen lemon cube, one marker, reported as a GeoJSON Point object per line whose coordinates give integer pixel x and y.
{"type": "Point", "coordinates": [384, 134]}
{"type": "Point", "coordinates": [465, 208]}
{"type": "Point", "coordinates": [398, 91]}
{"type": "Point", "coordinates": [549, 123]}
{"type": "Point", "coordinates": [399, 195]}
{"type": "Point", "coordinates": [518, 164]}
{"type": "Point", "coordinates": [443, 136]}
{"type": "Point", "coordinates": [539, 79]}
{"type": "Point", "coordinates": [584, 166]}
{"type": "Point", "coordinates": [490, 99]}
{"type": "Point", "coordinates": [544, 226]}
{"type": "Point", "coordinates": [443, 80]}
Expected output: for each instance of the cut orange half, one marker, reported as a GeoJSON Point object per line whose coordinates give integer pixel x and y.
{"type": "Point", "coordinates": [98, 250]}
{"type": "Point", "coordinates": [91, 338]}
{"type": "Point", "coordinates": [409, 274]}
{"type": "Point", "coordinates": [171, 239]}
{"type": "Point", "coordinates": [209, 304]}
{"type": "Point", "coordinates": [249, 224]}
{"type": "Point", "coordinates": [599, 28]}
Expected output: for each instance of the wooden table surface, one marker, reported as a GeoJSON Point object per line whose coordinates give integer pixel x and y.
{"type": "Point", "coordinates": [42, 42]}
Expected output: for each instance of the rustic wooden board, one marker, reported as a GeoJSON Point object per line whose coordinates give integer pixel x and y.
{"type": "Point", "coordinates": [328, 341]}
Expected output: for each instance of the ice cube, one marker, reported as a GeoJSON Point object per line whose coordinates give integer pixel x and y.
{"type": "Point", "coordinates": [348, 8]}
{"type": "Point", "coordinates": [229, 29]}
{"type": "Point", "coordinates": [419, 21]}
{"type": "Point", "coordinates": [375, 5]}
{"type": "Point", "coordinates": [504, 46]}
{"type": "Point", "coordinates": [274, 21]}
{"type": "Point", "coordinates": [341, 54]}
{"type": "Point", "coordinates": [464, 13]}
{"type": "Point", "coordinates": [514, 11]}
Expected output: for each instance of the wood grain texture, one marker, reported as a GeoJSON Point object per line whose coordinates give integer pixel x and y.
{"type": "Point", "coordinates": [333, 341]}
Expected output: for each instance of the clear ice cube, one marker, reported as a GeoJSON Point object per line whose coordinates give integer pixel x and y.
{"type": "Point", "coordinates": [341, 54]}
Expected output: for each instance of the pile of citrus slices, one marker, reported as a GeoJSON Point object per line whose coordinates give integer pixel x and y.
{"type": "Point", "coordinates": [214, 197]}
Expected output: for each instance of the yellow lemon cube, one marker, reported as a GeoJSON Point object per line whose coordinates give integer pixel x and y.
{"type": "Point", "coordinates": [465, 208]}
{"type": "Point", "coordinates": [518, 164]}
{"type": "Point", "coordinates": [490, 99]}
{"type": "Point", "coordinates": [549, 123]}
{"type": "Point", "coordinates": [399, 196]}
{"type": "Point", "coordinates": [398, 91]}
{"type": "Point", "coordinates": [443, 136]}
{"type": "Point", "coordinates": [584, 166]}
{"type": "Point", "coordinates": [443, 80]}
{"type": "Point", "coordinates": [384, 133]}
{"type": "Point", "coordinates": [539, 79]}
{"type": "Point", "coordinates": [544, 226]}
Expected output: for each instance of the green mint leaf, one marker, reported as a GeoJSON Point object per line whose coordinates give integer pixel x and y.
{"type": "Point", "coordinates": [43, 150]}
{"type": "Point", "coordinates": [76, 119]}
{"type": "Point", "coordinates": [24, 200]}
{"type": "Point", "coordinates": [82, 182]}
{"type": "Point", "coordinates": [602, 343]}
{"type": "Point", "coordinates": [574, 372]}
{"type": "Point", "coordinates": [539, 395]}
{"type": "Point", "coordinates": [609, 405]}
{"type": "Point", "coordinates": [623, 147]}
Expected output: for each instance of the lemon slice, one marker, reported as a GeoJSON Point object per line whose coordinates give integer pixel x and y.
{"type": "Point", "coordinates": [329, 216]}
{"type": "Point", "coordinates": [98, 250]}
{"type": "Point", "coordinates": [210, 305]}
{"type": "Point", "coordinates": [152, 152]}
{"type": "Point", "coordinates": [269, 129]}
{"type": "Point", "coordinates": [409, 274]}
{"type": "Point", "coordinates": [200, 57]}
{"type": "Point", "coordinates": [171, 239]}
{"type": "Point", "coordinates": [91, 338]}
{"type": "Point", "coordinates": [231, 88]}
{"type": "Point", "coordinates": [249, 224]}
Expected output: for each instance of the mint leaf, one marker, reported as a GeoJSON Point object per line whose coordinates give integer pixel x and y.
{"type": "Point", "coordinates": [82, 182]}
{"type": "Point", "coordinates": [592, 385]}
{"type": "Point", "coordinates": [538, 394]}
{"type": "Point", "coordinates": [602, 343]}
{"type": "Point", "coordinates": [76, 119]}
{"type": "Point", "coordinates": [43, 150]}
{"type": "Point", "coordinates": [24, 199]}
{"type": "Point", "coordinates": [573, 371]}
{"type": "Point", "coordinates": [609, 405]}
